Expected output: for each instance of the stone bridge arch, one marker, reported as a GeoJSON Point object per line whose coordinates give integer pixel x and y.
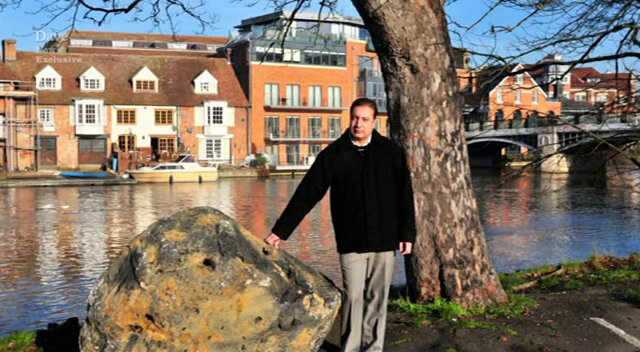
{"type": "Point", "coordinates": [502, 140]}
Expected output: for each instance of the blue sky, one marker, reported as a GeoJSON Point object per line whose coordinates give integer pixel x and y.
{"type": "Point", "coordinates": [21, 23]}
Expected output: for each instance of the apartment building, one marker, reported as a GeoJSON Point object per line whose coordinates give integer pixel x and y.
{"type": "Point", "coordinates": [300, 89]}
{"type": "Point", "coordinates": [91, 104]}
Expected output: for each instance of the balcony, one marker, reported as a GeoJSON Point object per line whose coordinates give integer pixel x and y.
{"type": "Point", "coordinates": [215, 130]}
{"type": "Point", "coordinates": [89, 130]}
{"type": "Point", "coordinates": [325, 136]}
{"type": "Point", "coordinates": [366, 73]}
{"type": "Point", "coordinates": [17, 89]}
{"type": "Point", "coordinates": [304, 106]}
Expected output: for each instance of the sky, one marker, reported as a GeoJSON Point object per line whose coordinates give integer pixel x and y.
{"type": "Point", "coordinates": [22, 23]}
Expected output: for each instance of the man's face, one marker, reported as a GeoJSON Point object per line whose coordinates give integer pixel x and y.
{"type": "Point", "coordinates": [362, 123]}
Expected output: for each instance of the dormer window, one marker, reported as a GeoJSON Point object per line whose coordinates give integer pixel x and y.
{"type": "Point", "coordinates": [92, 80]}
{"type": "Point", "coordinates": [47, 83]}
{"type": "Point", "coordinates": [205, 83]}
{"type": "Point", "coordinates": [520, 79]}
{"type": "Point", "coordinates": [48, 79]}
{"type": "Point", "coordinates": [146, 86]}
{"type": "Point", "coordinates": [145, 81]}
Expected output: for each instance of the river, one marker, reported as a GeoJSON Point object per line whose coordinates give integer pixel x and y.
{"type": "Point", "coordinates": [57, 241]}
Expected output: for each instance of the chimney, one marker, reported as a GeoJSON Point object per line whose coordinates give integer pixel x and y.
{"type": "Point", "coordinates": [8, 50]}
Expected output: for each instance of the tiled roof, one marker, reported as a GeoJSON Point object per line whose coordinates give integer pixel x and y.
{"type": "Point", "coordinates": [175, 76]}
{"type": "Point", "coordinates": [6, 73]}
{"type": "Point", "coordinates": [148, 37]}
{"type": "Point", "coordinates": [580, 75]}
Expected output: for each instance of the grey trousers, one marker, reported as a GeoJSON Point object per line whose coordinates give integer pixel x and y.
{"type": "Point", "coordinates": [367, 278]}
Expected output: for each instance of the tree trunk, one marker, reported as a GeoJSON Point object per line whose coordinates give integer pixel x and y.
{"type": "Point", "coordinates": [450, 255]}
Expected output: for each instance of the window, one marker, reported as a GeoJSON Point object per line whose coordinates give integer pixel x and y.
{"type": "Point", "coordinates": [315, 149]}
{"type": "Point", "coordinates": [293, 154]}
{"type": "Point", "coordinates": [335, 129]}
{"type": "Point", "coordinates": [92, 84]}
{"type": "Point", "coordinates": [518, 96]}
{"type": "Point", "coordinates": [127, 142]}
{"type": "Point", "coordinates": [205, 87]}
{"type": "Point", "coordinates": [293, 95]}
{"type": "Point", "coordinates": [315, 95]}
{"type": "Point", "coordinates": [499, 98]}
{"type": "Point", "coordinates": [566, 78]}
{"type": "Point", "coordinates": [520, 79]}
{"type": "Point", "coordinates": [581, 97]}
{"type": "Point", "coordinates": [48, 83]}
{"type": "Point", "coordinates": [536, 97]}
{"type": "Point", "coordinates": [272, 126]}
{"type": "Point", "coordinates": [601, 97]}
{"type": "Point", "coordinates": [88, 112]}
{"type": "Point", "coordinates": [166, 145]}
{"type": "Point", "coordinates": [271, 94]}
{"type": "Point", "coordinates": [146, 86]}
{"type": "Point", "coordinates": [291, 55]}
{"type": "Point", "coordinates": [517, 115]}
{"type": "Point", "coordinates": [293, 127]}
{"type": "Point", "coordinates": [45, 116]}
{"type": "Point", "coordinates": [499, 115]}
{"type": "Point", "coordinates": [335, 97]}
{"type": "Point", "coordinates": [315, 127]}
{"type": "Point", "coordinates": [215, 115]}
{"type": "Point", "coordinates": [126, 117]}
{"type": "Point", "coordinates": [164, 117]}
{"type": "Point", "coordinates": [213, 149]}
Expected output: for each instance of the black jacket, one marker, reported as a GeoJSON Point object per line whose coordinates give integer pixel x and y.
{"type": "Point", "coordinates": [371, 197]}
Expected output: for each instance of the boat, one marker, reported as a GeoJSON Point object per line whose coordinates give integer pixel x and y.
{"type": "Point", "coordinates": [83, 174]}
{"type": "Point", "coordinates": [184, 169]}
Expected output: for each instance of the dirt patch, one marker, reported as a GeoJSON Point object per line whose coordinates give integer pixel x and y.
{"type": "Point", "coordinates": [561, 322]}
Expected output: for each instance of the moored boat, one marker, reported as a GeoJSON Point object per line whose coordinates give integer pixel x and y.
{"type": "Point", "coordinates": [185, 169]}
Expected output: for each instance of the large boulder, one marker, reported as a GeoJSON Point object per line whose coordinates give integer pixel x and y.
{"type": "Point", "coordinates": [198, 281]}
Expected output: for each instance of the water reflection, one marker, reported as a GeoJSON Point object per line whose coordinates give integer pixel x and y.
{"type": "Point", "coordinates": [57, 241]}
{"type": "Point", "coordinates": [533, 219]}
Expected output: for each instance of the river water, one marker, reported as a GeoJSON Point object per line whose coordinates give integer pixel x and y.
{"type": "Point", "coordinates": [55, 242]}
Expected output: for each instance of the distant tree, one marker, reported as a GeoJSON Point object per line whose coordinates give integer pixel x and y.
{"type": "Point", "coordinates": [51, 45]}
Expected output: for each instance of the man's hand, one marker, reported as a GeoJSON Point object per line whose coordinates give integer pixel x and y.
{"type": "Point", "coordinates": [273, 240]}
{"type": "Point", "coordinates": [405, 247]}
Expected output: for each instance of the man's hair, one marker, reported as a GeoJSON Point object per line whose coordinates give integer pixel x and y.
{"type": "Point", "coordinates": [364, 102]}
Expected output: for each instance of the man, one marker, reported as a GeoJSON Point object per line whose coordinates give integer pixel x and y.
{"type": "Point", "coordinates": [372, 213]}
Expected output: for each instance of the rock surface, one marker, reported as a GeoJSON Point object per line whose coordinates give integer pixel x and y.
{"type": "Point", "coordinates": [198, 281]}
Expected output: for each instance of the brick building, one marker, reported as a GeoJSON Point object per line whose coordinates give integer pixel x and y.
{"type": "Point", "coordinates": [18, 123]}
{"type": "Point", "coordinates": [612, 93]}
{"type": "Point", "coordinates": [502, 99]}
{"type": "Point", "coordinates": [162, 103]}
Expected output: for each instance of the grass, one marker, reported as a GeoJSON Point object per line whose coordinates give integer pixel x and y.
{"type": "Point", "coordinates": [19, 342]}
{"type": "Point", "coordinates": [445, 310]}
{"type": "Point", "coordinates": [478, 324]}
{"type": "Point", "coordinates": [597, 270]}
{"type": "Point", "coordinates": [632, 296]}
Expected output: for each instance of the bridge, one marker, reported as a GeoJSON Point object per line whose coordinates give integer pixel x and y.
{"type": "Point", "coordinates": [560, 141]}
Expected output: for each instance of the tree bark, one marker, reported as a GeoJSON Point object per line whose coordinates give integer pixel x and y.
{"type": "Point", "coordinates": [450, 255]}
